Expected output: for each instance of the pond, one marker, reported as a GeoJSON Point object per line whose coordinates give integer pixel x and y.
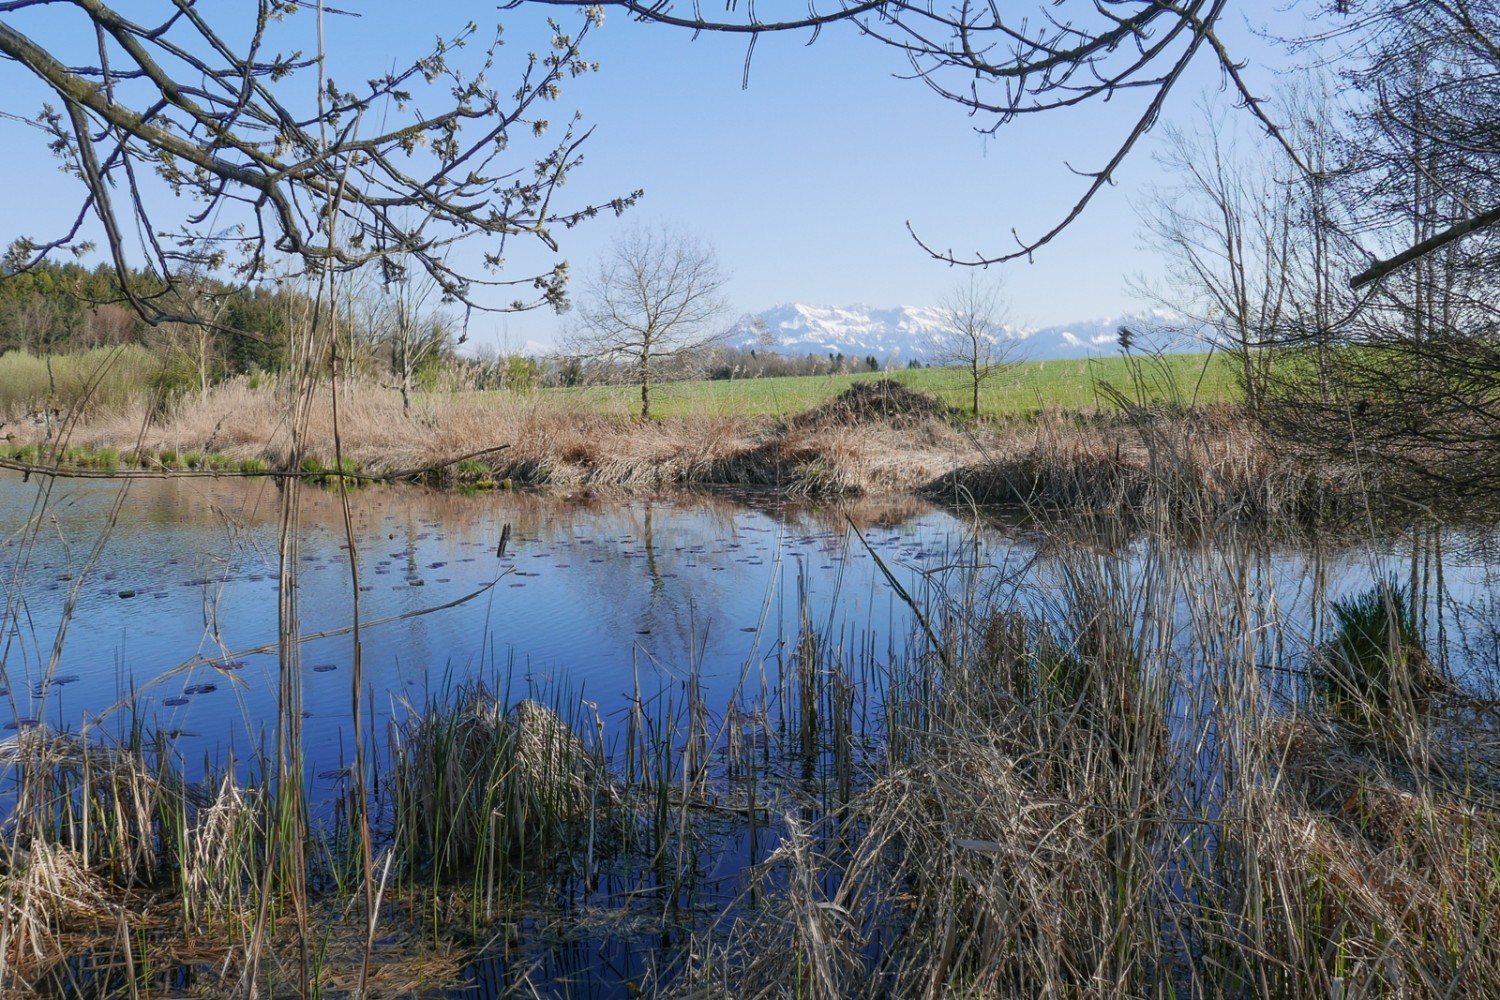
{"type": "Point", "coordinates": [154, 603]}
{"type": "Point", "coordinates": [601, 598]}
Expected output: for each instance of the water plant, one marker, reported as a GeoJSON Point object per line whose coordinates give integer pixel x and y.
{"type": "Point", "coordinates": [1376, 664]}
{"type": "Point", "coordinates": [470, 470]}
{"type": "Point", "coordinates": [345, 473]}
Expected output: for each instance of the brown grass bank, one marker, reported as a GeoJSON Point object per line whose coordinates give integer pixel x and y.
{"type": "Point", "coordinates": [875, 439]}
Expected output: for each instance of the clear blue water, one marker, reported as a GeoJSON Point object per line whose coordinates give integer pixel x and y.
{"type": "Point", "coordinates": [596, 599]}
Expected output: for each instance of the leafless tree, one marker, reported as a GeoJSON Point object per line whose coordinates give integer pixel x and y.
{"type": "Point", "coordinates": [1404, 375]}
{"type": "Point", "coordinates": [409, 326]}
{"type": "Point", "coordinates": [651, 309]}
{"type": "Point", "coordinates": [1225, 225]}
{"type": "Point", "coordinates": [974, 338]}
{"type": "Point", "coordinates": [274, 160]}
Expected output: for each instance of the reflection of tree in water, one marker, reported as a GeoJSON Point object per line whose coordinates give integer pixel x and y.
{"type": "Point", "coordinates": [665, 620]}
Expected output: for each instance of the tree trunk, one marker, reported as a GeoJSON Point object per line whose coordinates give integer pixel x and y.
{"type": "Point", "coordinates": [646, 385]}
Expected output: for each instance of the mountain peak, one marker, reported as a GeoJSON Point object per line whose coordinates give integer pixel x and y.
{"type": "Point", "coordinates": [909, 332]}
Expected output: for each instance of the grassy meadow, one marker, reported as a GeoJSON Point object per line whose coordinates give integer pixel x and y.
{"type": "Point", "coordinates": [1030, 387]}
{"type": "Point", "coordinates": [104, 382]}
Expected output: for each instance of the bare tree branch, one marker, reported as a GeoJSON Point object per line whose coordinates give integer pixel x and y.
{"type": "Point", "coordinates": [199, 105]}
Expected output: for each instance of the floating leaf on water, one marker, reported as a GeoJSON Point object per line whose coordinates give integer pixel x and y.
{"type": "Point", "coordinates": [337, 775]}
{"type": "Point", "coordinates": [323, 668]}
{"type": "Point", "coordinates": [127, 594]}
{"type": "Point", "coordinates": [200, 689]}
{"type": "Point", "coordinates": [22, 724]}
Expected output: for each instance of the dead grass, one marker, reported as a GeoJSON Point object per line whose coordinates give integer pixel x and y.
{"type": "Point", "coordinates": [877, 438]}
{"type": "Point", "coordinates": [1203, 466]}
{"type": "Point", "coordinates": [1097, 799]}
{"type": "Point", "coordinates": [1385, 854]}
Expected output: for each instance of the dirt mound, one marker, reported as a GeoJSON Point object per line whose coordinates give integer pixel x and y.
{"type": "Point", "coordinates": [867, 402]}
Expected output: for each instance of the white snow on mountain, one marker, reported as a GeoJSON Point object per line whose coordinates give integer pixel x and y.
{"type": "Point", "coordinates": [901, 334]}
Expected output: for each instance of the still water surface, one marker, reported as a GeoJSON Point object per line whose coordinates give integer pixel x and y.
{"type": "Point", "coordinates": [596, 598]}
{"type": "Point", "coordinates": [603, 600]}
{"type": "Point", "coordinates": [592, 598]}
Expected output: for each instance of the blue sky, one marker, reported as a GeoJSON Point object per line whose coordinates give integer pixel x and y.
{"type": "Point", "coordinates": [803, 181]}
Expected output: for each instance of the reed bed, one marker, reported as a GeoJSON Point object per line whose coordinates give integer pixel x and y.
{"type": "Point", "coordinates": [1201, 466]}
{"type": "Point", "coordinates": [1089, 786]}
{"type": "Point", "coordinates": [1099, 795]}
{"type": "Point", "coordinates": [876, 438]}
{"type": "Point", "coordinates": [85, 385]}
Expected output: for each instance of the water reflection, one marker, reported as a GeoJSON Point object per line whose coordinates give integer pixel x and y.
{"type": "Point", "coordinates": [591, 594]}
{"type": "Point", "coordinates": [596, 596]}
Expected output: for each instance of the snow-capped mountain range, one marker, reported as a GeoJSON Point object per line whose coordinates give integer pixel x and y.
{"type": "Point", "coordinates": [899, 335]}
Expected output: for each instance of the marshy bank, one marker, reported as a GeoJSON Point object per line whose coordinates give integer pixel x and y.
{"type": "Point", "coordinates": [878, 438]}
{"type": "Point", "coordinates": [708, 749]}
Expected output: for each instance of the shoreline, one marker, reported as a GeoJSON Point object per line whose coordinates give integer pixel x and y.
{"type": "Point", "coordinates": [878, 439]}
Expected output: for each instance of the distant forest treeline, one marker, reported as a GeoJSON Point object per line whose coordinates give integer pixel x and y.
{"type": "Point", "coordinates": [69, 308]}
{"type": "Point", "coordinates": [62, 308]}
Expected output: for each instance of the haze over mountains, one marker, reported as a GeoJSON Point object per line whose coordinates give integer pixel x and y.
{"type": "Point", "coordinates": [905, 333]}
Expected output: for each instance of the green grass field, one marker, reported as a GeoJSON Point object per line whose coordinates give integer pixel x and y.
{"type": "Point", "coordinates": [1074, 384]}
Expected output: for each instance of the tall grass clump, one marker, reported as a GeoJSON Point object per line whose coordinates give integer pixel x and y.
{"type": "Point", "coordinates": [486, 795]}
{"type": "Point", "coordinates": [105, 835]}
{"type": "Point", "coordinates": [87, 384]}
{"type": "Point", "coordinates": [1376, 665]}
